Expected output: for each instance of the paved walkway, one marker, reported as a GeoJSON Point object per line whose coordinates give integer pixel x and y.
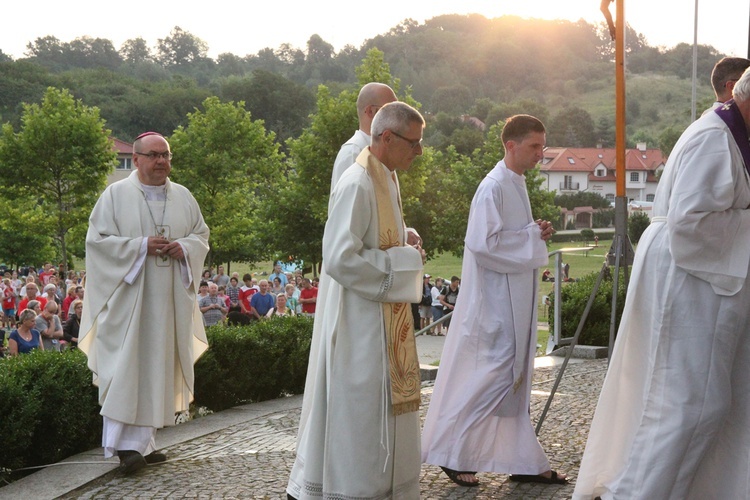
{"type": "Point", "coordinates": [248, 451]}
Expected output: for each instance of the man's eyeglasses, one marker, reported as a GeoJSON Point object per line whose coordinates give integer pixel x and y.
{"type": "Point", "coordinates": [167, 155]}
{"type": "Point", "coordinates": [412, 144]}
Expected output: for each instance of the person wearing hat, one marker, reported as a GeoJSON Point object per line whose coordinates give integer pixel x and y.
{"type": "Point", "coordinates": [145, 249]}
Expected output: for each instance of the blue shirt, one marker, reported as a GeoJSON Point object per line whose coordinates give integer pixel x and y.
{"type": "Point", "coordinates": [24, 346]}
{"type": "Point", "coordinates": [262, 303]}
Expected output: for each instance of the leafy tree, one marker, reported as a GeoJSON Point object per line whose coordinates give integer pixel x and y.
{"type": "Point", "coordinates": [180, 47]}
{"type": "Point", "coordinates": [232, 166]}
{"type": "Point", "coordinates": [4, 57]}
{"type": "Point", "coordinates": [572, 127]}
{"type": "Point", "coordinates": [135, 51]}
{"type": "Point", "coordinates": [61, 156]}
{"type": "Point", "coordinates": [667, 139]}
{"type": "Point", "coordinates": [283, 105]}
{"type": "Point", "coordinates": [454, 99]}
{"type": "Point", "coordinates": [637, 224]}
{"type": "Point", "coordinates": [24, 232]}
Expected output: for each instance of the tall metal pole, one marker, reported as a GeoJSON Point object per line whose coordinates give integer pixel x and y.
{"type": "Point", "coordinates": [695, 64]}
{"type": "Point", "coordinates": [621, 200]}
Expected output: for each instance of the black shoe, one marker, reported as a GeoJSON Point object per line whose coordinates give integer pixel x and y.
{"type": "Point", "coordinates": [131, 461]}
{"type": "Point", "coordinates": [155, 458]}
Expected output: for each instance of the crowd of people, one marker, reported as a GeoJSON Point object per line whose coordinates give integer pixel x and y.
{"type": "Point", "coordinates": [222, 298]}
{"type": "Point", "coordinates": [53, 302]}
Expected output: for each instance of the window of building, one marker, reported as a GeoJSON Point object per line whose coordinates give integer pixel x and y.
{"type": "Point", "coordinates": [124, 164]}
{"type": "Point", "coordinates": [571, 160]}
{"type": "Point", "coordinates": [610, 197]}
{"type": "Point", "coordinates": [649, 197]}
{"type": "Point", "coordinates": [634, 176]}
{"type": "Point", "coordinates": [600, 172]}
{"type": "Point", "coordinates": [568, 182]}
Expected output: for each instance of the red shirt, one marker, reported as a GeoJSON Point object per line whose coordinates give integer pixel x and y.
{"type": "Point", "coordinates": [308, 293]}
{"type": "Point", "coordinates": [25, 302]}
{"type": "Point", "coordinates": [9, 300]}
{"type": "Point", "coordinates": [245, 296]}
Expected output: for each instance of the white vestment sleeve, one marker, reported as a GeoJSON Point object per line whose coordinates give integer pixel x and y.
{"type": "Point", "coordinates": [709, 238]}
{"type": "Point", "coordinates": [187, 277]}
{"type": "Point", "coordinates": [498, 249]}
{"type": "Point", "coordinates": [392, 275]}
{"type": "Point", "coordinates": [138, 264]}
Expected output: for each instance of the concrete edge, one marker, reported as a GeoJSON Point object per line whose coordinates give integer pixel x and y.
{"type": "Point", "coordinates": [582, 352]}
{"type": "Point", "coordinates": [73, 473]}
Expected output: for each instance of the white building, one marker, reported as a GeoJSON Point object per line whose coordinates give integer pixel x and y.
{"type": "Point", "coordinates": [572, 170]}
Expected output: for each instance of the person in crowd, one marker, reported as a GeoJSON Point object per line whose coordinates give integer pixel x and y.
{"type": "Point", "coordinates": [359, 429]}
{"type": "Point", "coordinates": [212, 306]}
{"type": "Point", "coordinates": [308, 296]}
{"type": "Point", "coordinates": [280, 309]}
{"type": "Point", "coordinates": [478, 419]}
{"type": "Point", "coordinates": [49, 325]}
{"type": "Point", "coordinates": [220, 278]}
{"type": "Point", "coordinates": [261, 302]}
{"type": "Point", "coordinates": [448, 297]}
{"type": "Point", "coordinates": [676, 390]}
{"type": "Point", "coordinates": [25, 338]}
{"type": "Point", "coordinates": [292, 298]}
{"type": "Point", "coordinates": [145, 249]}
{"type": "Point", "coordinates": [233, 292]}
{"type": "Point", "coordinates": [246, 294]}
{"type": "Point", "coordinates": [206, 276]}
{"type": "Point", "coordinates": [276, 287]}
{"type": "Point", "coordinates": [425, 307]}
{"type": "Point", "coordinates": [277, 273]}
{"type": "Point", "coordinates": [548, 276]}
{"type": "Point", "coordinates": [437, 306]}
{"type": "Point", "coordinates": [9, 304]}
{"type": "Point", "coordinates": [26, 281]}
{"type": "Point", "coordinates": [202, 291]}
{"type": "Point", "coordinates": [371, 98]}
{"type": "Point", "coordinates": [223, 296]}
{"type": "Point", "coordinates": [31, 294]}
{"type": "Point", "coordinates": [73, 324]}
{"type": "Point", "coordinates": [50, 293]}
{"type": "Point", "coordinates": [67, 302]}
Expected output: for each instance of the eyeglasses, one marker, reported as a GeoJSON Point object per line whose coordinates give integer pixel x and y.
{"type": "Point", "coordinates": [412, 144]}
{"type": "Point", "coordinates": [167, 155]}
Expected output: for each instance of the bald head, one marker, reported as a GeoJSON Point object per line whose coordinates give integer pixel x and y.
{"type": "Point", "coordinates": [372, 97]}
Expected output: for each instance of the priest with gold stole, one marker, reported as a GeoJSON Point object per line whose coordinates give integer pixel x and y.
{"type": "Point", "coordinates": [359, 428]}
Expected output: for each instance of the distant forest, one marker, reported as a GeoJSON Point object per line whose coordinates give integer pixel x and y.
{"type": "Point", "coordinates": [454, 66]}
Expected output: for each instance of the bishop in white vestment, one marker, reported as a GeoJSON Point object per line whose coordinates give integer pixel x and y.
{"type": "Point", "coordinates": [478, 419]}
{"type": "Point", "coordinates": [359, 428]}
{"type": "Point", "coordinates": [141, 327]}
{"type": "Point", "coordinates": [672, 418]}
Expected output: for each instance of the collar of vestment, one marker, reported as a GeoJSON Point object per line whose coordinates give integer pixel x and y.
{"type": "Point", "coordinates": [403, 362]}
{"type": "Point", "coordinates": [730, 114]}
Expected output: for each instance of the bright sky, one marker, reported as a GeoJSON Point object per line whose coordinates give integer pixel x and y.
{"type": "Point", "coordinates": [246, 27]}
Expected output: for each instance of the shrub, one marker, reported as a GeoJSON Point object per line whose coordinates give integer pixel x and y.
{"type": "Point", "coordinates": [587, 234]}
{"type": "Point", "coordinates": [637, 223]}
{"type": "Point", "coordinates": [575, 296]}
{"type": "Point", "coordinates": [49, 408]}
{"type": "Point", "coordinates": [261, 361]}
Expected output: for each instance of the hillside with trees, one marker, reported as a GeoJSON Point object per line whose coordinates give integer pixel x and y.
{"type": "Point", "coordinates": [268, 125]}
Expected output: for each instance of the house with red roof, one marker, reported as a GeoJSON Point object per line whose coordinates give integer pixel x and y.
{"type": "Point", "coordinates": [570, 170]}
{"type": "Point", "coordinates": [124, 164]}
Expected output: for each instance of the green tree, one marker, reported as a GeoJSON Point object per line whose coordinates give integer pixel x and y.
{"type": "Point", "coordinates": [581, 199]}
{"type": "Point", "coordinates": [24, 230]}
{"type": "Point", "coordinates": [135, 51]}
{"type": "Point", "coordinates": [61, 156]}
{"type": "Point", "coordinates": [572, 127]}
{"type": "Point", "coordinates": [637, 224]}
{"type": "Point", "coordinates": [180, 47]}
{"type": "Point", "coordinates": [667, 139]}
{"type": "Point", "coordinates": [232, 166]}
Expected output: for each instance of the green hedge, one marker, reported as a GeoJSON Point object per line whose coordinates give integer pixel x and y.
{"type": "Point", "coordinates": [49, 408]}
{"type": "Point", "coordinates": [575, 296]}
{"type": "Point", "coordinates": [576, 237]}
{"type": "Point", "coordinates": [262, 361]}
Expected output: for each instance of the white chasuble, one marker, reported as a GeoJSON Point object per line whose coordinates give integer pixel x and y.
{"type": "Point", "coordinates": [142, 339]}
